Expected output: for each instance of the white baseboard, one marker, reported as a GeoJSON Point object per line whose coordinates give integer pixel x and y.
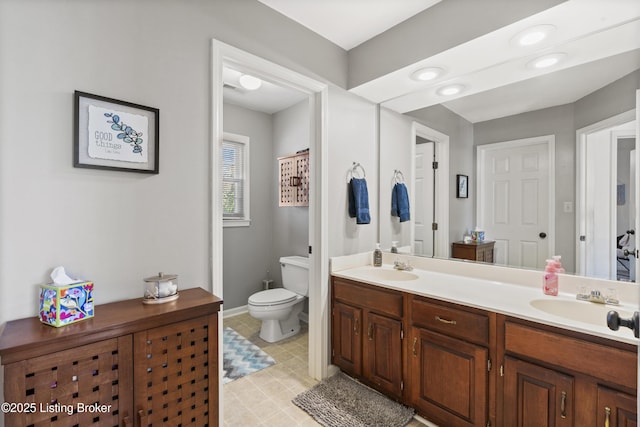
{"type": "Point", "coordinates": [234, 311]}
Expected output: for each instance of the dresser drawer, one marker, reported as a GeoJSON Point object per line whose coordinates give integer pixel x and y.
{"type": "Point", "coordinates": [376, 299]}
{"type": "Point", "coordinates": [450, 320]}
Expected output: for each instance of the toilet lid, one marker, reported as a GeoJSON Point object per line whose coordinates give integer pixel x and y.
{"type": "Point", "coordinates": [272, 296]}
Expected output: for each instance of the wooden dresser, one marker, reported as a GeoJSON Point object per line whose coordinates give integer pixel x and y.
{"type": "Point", "coordinates": [130, 365]}
{"type": "Point", "coordinates": [475, 251]}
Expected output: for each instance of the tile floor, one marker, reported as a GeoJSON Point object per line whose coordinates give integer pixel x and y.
{"type": "Point", "coordinates": [264, 398]}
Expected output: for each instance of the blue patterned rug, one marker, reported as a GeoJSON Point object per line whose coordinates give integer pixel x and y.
{"type": "Point", "coordinates": [241, 357]}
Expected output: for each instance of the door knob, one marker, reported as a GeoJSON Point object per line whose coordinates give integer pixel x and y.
{"type": "Point", "coordinates": [542, 235]}
{"type": "Point", "coordinates": [614, 322]}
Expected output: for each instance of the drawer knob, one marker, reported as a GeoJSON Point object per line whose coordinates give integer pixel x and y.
{"type": "Point", "coordinates": [447, 321]}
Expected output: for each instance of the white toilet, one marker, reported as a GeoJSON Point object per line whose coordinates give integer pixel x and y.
{"type": "Point", "coordinates": [279, 308]}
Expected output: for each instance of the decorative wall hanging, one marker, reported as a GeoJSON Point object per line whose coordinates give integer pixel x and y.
{"type": "Point", "coordinates": [115, 135]}
{"type": "Point", "coordinates": [462, 186]}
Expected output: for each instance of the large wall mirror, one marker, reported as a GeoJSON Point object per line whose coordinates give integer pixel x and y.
{"type": "Point", "coordinates": [550, 153]}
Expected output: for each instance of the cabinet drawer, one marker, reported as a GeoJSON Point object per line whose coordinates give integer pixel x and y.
{"type": "Point", "coordinates": [450, 320]}
{"type": "Point", "coordinates": [576, 354]}
{"type": "Point", "coordinates": [374, 298]}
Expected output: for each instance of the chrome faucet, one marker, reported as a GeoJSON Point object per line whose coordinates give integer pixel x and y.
{"type": "Point", "coordinates": [402, 265]}
{"type": "Point", "coordinates": [596, 296]}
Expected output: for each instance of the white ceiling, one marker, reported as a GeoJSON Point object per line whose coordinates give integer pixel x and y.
{"type": "Point", "coordinates": [349, 23]}
{"type": "Point", "coordinates": [601, 40]}
{"type": "Point", "coordinates": [269, 98]}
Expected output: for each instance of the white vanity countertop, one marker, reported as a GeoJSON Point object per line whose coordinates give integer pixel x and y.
{"type": "Point", "coordinates": [500, 297]}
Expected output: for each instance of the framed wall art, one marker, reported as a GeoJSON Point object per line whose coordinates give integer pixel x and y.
{"type": "Point", "coordinates": [462, 186]}
{"type": "Point", "coordinates": [115, 135]}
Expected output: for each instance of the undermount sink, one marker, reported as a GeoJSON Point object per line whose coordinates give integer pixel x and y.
{"type": "Point", "coordinates": [581, 311]}
{"type": "Point", "coordinates": [377, 273]}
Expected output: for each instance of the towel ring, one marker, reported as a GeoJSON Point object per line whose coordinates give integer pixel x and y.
{"type": "Point", "coordinates": [353, 172]}
{"type": "Point", "coordinates": [398, 177]}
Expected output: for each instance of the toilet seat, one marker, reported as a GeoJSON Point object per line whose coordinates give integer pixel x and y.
{"type": "Point", "coordinates": [272, 297]}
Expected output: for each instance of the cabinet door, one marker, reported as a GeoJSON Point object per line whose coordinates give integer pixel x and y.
{"type": "Point", "coordinates": [98, 373]}
{"type": "Point", "coordinates": [449, 379]}
{"type": "Point", "coordinates": [616, 409]}
{"type": "Point", "coordinates": [347, 338]}
{"type": "Point", "coordinates": [536, 396]}
{"type": "Point", "coordinates": [176, 374]}
{"type": "Point", "coordinates": [383, 353]}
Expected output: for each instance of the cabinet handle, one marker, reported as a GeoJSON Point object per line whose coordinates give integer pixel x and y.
{"type": "Point", "coordinates": [447, 321]}
{"type": "Point", "coordinates": [126, 422]}
{"type": "Point", "coordinates": [415, 340]}
{"type": "Point", "coordinates": [370, 332]}
{"type": "Point", "coordinates": [142, 418]}
{"type": "Point", "coordinates": [607, 416]}
{"type": "Point", "coordinates": [355, 326]}
{"type": "Point", "coordinates": [295, 181]}
{"type": "Point", "coordinates": [563, 405]}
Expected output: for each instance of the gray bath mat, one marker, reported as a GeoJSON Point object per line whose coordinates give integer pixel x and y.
{"type": "Point", "coordinates": [340, 401]}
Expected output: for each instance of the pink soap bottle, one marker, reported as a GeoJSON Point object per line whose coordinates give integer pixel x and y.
{"type": "Point", "coordinates": [550, 278]}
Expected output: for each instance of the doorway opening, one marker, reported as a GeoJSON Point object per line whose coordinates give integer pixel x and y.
{"type": "Point", "coordinates": [317, 93]}
{"type": "Point", "coordinates": [430, 198]}
{"type": "Point", "coordinates": [606, 199]}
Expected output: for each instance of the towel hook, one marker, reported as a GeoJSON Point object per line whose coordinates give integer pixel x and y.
{"type": "Point", "coordinates": [398, 176]}
{"type": "Point", "coordinates": [353, 172]}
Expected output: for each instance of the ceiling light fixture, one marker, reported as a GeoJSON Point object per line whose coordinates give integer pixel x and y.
{"type": "Point", "coordinates": [249, 82]}
{"type": "Point", "coordinates": [426, 74]}
{"type": "Point", "coordinates": [533, 35]}
{"type": "Point", "coordinates": [450, 90]}
{"type": "Point", "coordinates": [546, 61]}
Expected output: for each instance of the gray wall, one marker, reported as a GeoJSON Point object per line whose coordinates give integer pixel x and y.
{"type": "Point", "coordinates": [462, 212]}
{"type": "Point", "coordinates": [290, 223]}
{"type": "Point", "coordinates": [352, 137]}
{"type": "Point", "coordinates": [115, 227]}
{"type": "Point", "coordinates": [248, 251]}
{"type": "Point", "coordinates": [613, 99]}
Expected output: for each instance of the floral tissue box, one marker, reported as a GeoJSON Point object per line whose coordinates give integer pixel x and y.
{"type": "Point", "coordinates": [63, 305]}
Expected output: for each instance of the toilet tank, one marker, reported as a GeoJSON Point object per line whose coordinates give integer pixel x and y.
{"type": "Point", "coordinates": [295, 274]}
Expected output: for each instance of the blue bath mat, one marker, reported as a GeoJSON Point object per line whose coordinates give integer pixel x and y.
{"type": "Point", "coordinates": [241, 357]}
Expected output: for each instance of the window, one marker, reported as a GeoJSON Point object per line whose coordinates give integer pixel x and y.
{"type": "Point", "coordinates": [235, 180]}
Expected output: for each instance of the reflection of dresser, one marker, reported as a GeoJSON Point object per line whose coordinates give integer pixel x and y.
{"type": "Point", "coordinates": [476, 251]}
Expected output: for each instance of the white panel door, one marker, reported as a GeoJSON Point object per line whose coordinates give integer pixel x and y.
{"type": "Point", "coordinates": [423, 240]}
{"type": "Point", "coordinates": [514, 200]}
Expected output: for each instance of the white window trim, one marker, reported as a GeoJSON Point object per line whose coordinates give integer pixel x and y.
{"type": "Point", "coordinates": [245, 140]}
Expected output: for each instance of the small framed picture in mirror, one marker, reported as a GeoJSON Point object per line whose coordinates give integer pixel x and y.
{"type": "Point", "coordinates": [462, 186]}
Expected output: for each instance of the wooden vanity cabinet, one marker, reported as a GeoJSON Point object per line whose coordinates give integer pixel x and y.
{"type": "Point", "coordinates": [143, 364]}
{"type": "Point", "coordinates": [449, 363]}
{"type": "Point", "coordinates": [474, 251]}
{"type": "Point", "coordinates": [367, 334]}
{"type": "Point", "coordinates": [556, 377]}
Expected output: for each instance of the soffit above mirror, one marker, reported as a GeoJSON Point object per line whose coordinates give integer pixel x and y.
{"type": "Point", "coordinates": [584, 32]}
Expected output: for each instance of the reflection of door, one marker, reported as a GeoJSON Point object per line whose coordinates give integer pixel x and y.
{"type": "Point", "coordinates": [516, 199]}
{"type": "Point", "coordinates": [425, 197]}
{"type": "Point", "coordinates": [603, 211]}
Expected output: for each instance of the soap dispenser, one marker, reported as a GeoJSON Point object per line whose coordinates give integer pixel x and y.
{"type": "Point", "coordinates": [550, 279]}
{"type": "Point", "coordinates": [377, 256]}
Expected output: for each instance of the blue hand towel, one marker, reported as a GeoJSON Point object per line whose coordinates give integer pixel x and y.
{"type": "Point", "coordinates": [400, 202]}
{"type": "Point", "coordinates": [394, 201]}
{"type": "Point", "coordinates": [359, 201]}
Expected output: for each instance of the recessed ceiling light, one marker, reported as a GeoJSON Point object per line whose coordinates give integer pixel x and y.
{"type": "Point", "coordinates": [533, 35]}
{"type": "Point", "coordinates": [426, 74]}
{"type": "Point", "coordinates": [249, 82]}
{"type": "Point", "coordinates": [450, 90]}
{"type": "Point", "coordinates": [546, 61]}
